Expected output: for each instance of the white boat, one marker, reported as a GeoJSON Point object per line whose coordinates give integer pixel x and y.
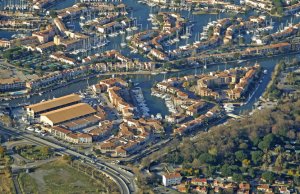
{"type": "Point", "coordinates": [265, 71]}
{"type": "Point", "coordinates": [134, 51]}
{"type": "Point", "coordinates": [176, 40]}
{"type": "Point", "coordinates": [184, 37]}
{"type": "Point", "coordinates": [123, 44]}
{"type": "Point", "coordinates": [240, 61]}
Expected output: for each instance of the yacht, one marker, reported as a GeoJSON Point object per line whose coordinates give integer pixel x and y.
{"type": "Point", "coordinates": [123, 44]}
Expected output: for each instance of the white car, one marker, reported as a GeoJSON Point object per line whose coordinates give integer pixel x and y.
{"type": "Point", "coordinates": [37, 130]}
{"type": "Point", "coordinates": [30, 128]}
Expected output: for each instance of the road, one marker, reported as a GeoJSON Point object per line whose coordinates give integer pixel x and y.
{"type": "Point", "coordinates": [124, 179]}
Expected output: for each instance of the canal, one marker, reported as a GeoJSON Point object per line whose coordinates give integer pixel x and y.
{"type": "Point", "coordinates": [157, 105]}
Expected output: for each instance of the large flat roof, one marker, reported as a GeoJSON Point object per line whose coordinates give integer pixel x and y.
{"type": "Point", "coordinates": [69, 113]}
{"type": "Point", "coordinates": [42, 106]}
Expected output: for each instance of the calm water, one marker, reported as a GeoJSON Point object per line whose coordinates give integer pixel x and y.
{"type": "Point", "coordinates": [156, 105]}
{"type": "Point", "coordinates": [6, 34]}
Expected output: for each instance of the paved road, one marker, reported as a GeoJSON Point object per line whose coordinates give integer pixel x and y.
{"type": "Point", "coordinates": [123, 179]}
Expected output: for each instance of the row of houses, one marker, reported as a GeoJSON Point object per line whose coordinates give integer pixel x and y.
{"type": "Point", "coordinates": [206, 185]}
{"type": "Point", "coordinates": [202, 120]}
{"type": "Point", "coordinates": [280, 35]}
{"type": "Point", "coordinates": [121, 62]}
{"type": "Point", "coordinates": [272, 49]}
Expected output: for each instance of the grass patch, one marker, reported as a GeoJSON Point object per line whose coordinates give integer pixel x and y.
{"type": "Point", "coordinates": [59, 178]}
{"type": "Point", "coordinates": [33, 152]}
{"type": "Point", "coordinates": [27, 183]}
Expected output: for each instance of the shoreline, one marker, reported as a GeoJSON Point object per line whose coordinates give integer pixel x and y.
{"type": "Point", "coordinates": [156, 72]}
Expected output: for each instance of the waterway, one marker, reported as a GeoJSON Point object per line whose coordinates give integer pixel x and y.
{"type": "Point", "coordinates": [157, 105]}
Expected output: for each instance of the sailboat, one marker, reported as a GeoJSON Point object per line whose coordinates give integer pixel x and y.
{"type": "Point", "coordinates": [205, 66]}
{"type": "Point", "coordinates": [177, 37]}
{"type": "Point", "coordinates": [123, 43]}
{"type": "Point", "coordinates": [135, 25]}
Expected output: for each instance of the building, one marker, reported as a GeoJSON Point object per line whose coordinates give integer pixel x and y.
{"type": "Point", "coordinates": [11, 84]}
{"type": "Point", "coordinates": [49, 46]}
{"type": "Point", "coordinates": [66, 114]}
{"type": "Point", "coordinates": [171, 179]}
{"type": "Point", "coordinates": [36, 110]}
{"type": "Point", "coordinates": [69, 136]}
{"type": "Point", "coordinates": [59, 56]}
{"type": "Point", "coordinates": [4, 43]}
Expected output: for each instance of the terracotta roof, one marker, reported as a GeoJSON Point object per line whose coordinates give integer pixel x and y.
{"type": "Point", "coordinates": [54, 103]}
{"type": "Point", "coordinates": [70, 112]}
{"type": "Point", "coordinates": [172, 175]}
{"type": "Point", "coordinates": [62, 130]}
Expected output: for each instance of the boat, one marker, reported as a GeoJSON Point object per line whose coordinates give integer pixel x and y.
{"type": "Point", "coordinates": [265, 71]}
{"type": "Point", "coordinates": [128, 37]}
{"type": "Point", "coordinates": [134, 51]}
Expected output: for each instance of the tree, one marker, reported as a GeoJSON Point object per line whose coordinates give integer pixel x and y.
{"type": "Point", "coordinates": [240, 155]}
{"type": "Point", "coordinates": [256, 156]}
{"type": "Point", "coordinates": [243, 146]}
{"type": "Point", "coordinates": [268, 176]}
{"type": "Point", "coordinates": [213, 151]}
{"type": "Point", "coordinates": [2, 151]}
{"type": "Point", "coordinates": [206, 158]}
{"type": "Point", "coordinates": [45, 150]}
{"type": "Point", "coordinates": [196, 163]}
{"type": "Point", "coordinates": [246, 162]}
{"type": "Point", "coordinates": [268, 142]}
{"type": "Point", "coordinates": [7, 171]}
{"type": "Point", "coordinates": [279, 162]}
{"type": "Point", "coordinates": [226, 170]}
{"type": "Point", "coordinates": [237, 177]}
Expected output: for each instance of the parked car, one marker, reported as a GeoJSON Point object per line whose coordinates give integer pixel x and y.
{"type": "Point", "coordinates": [30, 128]}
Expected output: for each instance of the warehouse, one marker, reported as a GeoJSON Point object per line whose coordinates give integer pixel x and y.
{"type": "Point", "coordinates": [35, 110]}
{"type": "Point", "coordinates": [66, 114]}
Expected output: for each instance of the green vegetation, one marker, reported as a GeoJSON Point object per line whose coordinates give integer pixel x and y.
{"type": "Point", "coordinates": [59, 177]}
{"type": "Point", "coordinates": [33, 152]}
{"type": "Point", "coordinates": [283, 79]}
{"type": "Point", "coordinates": [15, 53]}
{"type": "Point", "coordinates": [266, 141]}
{"type": "Point", "coordinates": [278, 7]}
